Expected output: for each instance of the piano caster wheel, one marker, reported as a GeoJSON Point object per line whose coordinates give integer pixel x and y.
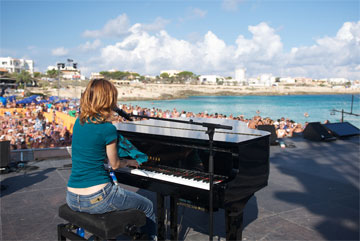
{"type": "Point", "coordinates": [143, 236]}
{"type": "Point", "coordinates": [133, 232]}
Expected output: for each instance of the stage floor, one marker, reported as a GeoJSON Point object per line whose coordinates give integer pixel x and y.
{"type": "Point", "coordinates": [313, 194]}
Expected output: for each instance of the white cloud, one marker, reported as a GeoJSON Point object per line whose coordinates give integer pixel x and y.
{"type": "Point", "coordinates": [231, 5]}
{"type": "Point", "coordinates": [193, 13]}
{"type": "Point", "coordinates": [32, 49]}
{"type": "Point", "coordinates": [197, 12]}
{"type": "Point", "coordinates": [61, 51]}
{"type": "Point", "coordinates": [117, 27]}
{"type": "Point", "coordinates": [331, 56]}
{"type": "Point", "coordinates": [157, 25]}
{"type": "Point", "coordinates": [151, 53]}
{"type": "Point", "coordinates": [88, 46]}
{"type": "Point", "coordinates": [214, 53]}
{"type": "Point", "coordinates": [120, 27]}
{"type": "Point", "coordinates": [337, 56]}
{"type": "Point", "coordinates": [264, 45]}
{"type": "Point", "coordinates": [147, 53]}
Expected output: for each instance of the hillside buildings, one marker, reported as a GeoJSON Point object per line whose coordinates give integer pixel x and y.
{"type": "Point", "coordinates": [211, 79]}
{"type": "Point", "coordinates": [96, 75]}
{"type": "Point", "coordinates": [17, 65]}
{"type": "Point", "coordinates": [240, 76]}
{"type": "Point", "coordinates": [338, 80]}
{"type": "Point", "coordinates": [171, 73]}
{"type": "Point", "coordinates": [5, 81]}
{"type": "Point", "coordinates": [68, 72]}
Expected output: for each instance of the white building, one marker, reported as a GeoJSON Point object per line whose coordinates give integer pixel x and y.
{"type": "Point", "coordinates": [303, 80]}
{"type": "Point", "coordinates": [253, 81]}
{"type": "Point", "coordinates": [338, 80]}
{"type": "Point", "coordinates": [267, 79]}
{"type": "Point", "coordinates": [231, 82]}
{"type": "Point", "coordinates": [151, 77]}
{"type": "Point", "coordinates": [211, 79]}
{"type": "Point", "coordinates": [262, 80]}
{"type": "Point", "coordinates": [69, 72]}
{"type": "Point", "coordinates": [170, 72]}
{"type": "Point", "coordinates": [96, 75]}
{"type": "Point", "coordinates": [17, 65]}
{"type": "Point", "coordinates": [240, 75]}
{"type": "Point", "coordinates": [288, 80]}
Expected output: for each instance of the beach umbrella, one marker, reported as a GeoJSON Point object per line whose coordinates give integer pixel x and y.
{"type": "Point", "coordinates": [11, 98]}
{"type": "Point", "coordinates": [33, 97]}
{"type": "Point", "coordinates": [30, 100]}
{"type": "Point", "coordinates": [61, 101]}
{"type": "Point", "coordinates": [24, 101]}
{"type": "Point", "coordinates": [53, 98]}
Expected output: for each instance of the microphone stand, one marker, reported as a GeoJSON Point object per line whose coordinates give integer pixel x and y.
{"type": "Point", "coordinates": [210, 131]}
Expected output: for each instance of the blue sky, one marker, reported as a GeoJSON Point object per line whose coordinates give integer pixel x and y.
{"type": "Point", "coordinates": [318, 39]}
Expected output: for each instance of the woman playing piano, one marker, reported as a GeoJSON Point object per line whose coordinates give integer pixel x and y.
{"type": "Point", "coordinates": [94, 139]}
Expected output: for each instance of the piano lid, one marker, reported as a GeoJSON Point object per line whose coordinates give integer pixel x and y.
{"type": "Point", "coordinates": [239, 133]}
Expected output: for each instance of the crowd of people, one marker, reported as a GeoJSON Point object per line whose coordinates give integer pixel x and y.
{"type": "Point", "coordinates": [284, 127]}
{"type": "Point", "coordinates": [29, 129]}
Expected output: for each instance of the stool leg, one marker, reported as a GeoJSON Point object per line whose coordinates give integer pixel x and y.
{"type": "Point", "coordinates": [60, 227]}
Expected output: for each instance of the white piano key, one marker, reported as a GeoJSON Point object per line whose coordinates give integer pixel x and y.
{"type": "Point", "coordinates": [168, 178]}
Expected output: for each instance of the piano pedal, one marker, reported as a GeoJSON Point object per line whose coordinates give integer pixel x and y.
{"type": "Point", "coordinates": [188, 204]}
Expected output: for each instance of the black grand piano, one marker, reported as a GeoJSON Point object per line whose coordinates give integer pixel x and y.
{"type": "Point", "coordinates": [178, 162]}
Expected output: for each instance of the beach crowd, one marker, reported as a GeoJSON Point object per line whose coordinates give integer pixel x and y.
{"type": "Point", "coordinates": [284, 127]}
{"type": "Point", "coordinates": [29, 129]}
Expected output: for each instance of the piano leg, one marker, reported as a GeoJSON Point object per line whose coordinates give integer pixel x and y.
{"type": "Point", "coordinates": [160, 217]}
{"type": "Point", "coordinates": [173, 218]}
{"type": "Point", "coordinates": [234, 219]}
{"type": "Point", "coordinates": [234, 226]}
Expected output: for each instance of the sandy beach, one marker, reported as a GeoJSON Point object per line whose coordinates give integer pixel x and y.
{"type": "Point", "coordinates": [175, 91]}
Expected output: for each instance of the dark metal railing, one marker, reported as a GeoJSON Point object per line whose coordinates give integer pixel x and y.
{"type": "Point", "coordinates": [345, 112]}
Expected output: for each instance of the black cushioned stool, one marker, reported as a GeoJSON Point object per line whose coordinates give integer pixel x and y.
{"type": "Point", "coordinates": [102, 226]}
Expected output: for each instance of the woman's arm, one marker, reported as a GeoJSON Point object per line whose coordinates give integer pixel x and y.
{"type": "Point", "coordinates": [114, 161]}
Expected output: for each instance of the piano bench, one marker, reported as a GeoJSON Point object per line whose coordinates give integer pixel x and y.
{"type": "Point", "coordinates": [102, 226]}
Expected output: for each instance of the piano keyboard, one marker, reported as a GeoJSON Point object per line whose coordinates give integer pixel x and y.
{"type": "Point", "coordinates": [174, 175]}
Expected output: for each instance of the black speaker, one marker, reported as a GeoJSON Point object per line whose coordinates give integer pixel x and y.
{"type": "Point", "coordinates": [271, 129]}
{"type": "Point", "coordinates": [342, 129]}
{"type": "Point", "coordinates": [4, 153]}
{"type": "Point", "coordinates": [315, 131]}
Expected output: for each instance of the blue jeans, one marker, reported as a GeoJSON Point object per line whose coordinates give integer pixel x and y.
{"type": "Point", "coordinates": [113, 197]}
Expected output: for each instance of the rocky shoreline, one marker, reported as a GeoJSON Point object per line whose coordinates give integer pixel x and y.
{"type": "Point", "coordinates": [149, 92]}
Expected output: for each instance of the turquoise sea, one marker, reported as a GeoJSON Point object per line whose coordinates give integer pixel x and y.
{"type": "Point", "coordinates": [293, 107]}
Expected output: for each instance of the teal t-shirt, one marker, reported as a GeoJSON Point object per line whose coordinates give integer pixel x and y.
{"type": "Point", "coordinates": [89, 152]}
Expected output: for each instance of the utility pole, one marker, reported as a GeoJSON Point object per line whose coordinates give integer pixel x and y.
{"type": "Point", "coordinates": [60, 66]}
{"type": "Point", "coordinates": [73, 67]}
